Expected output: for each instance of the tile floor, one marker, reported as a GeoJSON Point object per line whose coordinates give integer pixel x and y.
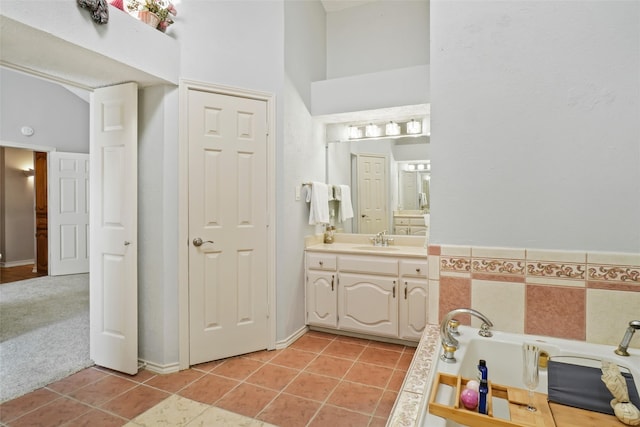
{"type": "Point", "coordinates": [320, 380]}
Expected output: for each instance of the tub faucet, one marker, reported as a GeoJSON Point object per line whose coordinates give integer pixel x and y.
{"type": "Point", "coordinates": [626, 339]}
{"type": "Point", "coordinates": [449, 343]}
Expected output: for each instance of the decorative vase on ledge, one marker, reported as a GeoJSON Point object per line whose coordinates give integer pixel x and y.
{"type": "Point", "coordinates": [149, 18]}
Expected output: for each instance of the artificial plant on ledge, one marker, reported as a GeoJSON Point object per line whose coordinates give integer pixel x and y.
{"type": "Point", "coordinates": [161, 11]}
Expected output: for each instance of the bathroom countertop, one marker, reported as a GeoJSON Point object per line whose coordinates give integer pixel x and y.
{"type": "Point", "coordinates": [369, 249]}
{"type": "Point", "coordinates": [411, 403]}
{"type": "Point", "coordinates": [408, 215]}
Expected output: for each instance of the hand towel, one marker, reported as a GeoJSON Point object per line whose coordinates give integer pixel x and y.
{"type": "Point", "coordinates": [346, 209]}
{"type": "Point", "coordinates": [318, 196]}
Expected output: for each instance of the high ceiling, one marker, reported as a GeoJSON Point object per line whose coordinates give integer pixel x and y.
{"type": "Point", "coordinates": [335, 5]}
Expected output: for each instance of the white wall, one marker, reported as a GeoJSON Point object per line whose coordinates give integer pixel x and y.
{"type": "Point", "coordinates": [157, 219]}
{"type": "Point", "coordinates": [377, 36]}
{"type": "Point", "coordinates": [59, 118]}
{"type": "Point", "coordinates": [302, 154]}
{"type": "Point", "coordinates": [305, 45]}
{"type": "Point", "coordinates": [535, 124]}
{"type": "Point", "coordinates": [236, 43]}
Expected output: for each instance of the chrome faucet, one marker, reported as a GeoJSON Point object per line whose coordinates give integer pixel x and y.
{"type": "Point", "coordinates": [381, 239]}
{"type": "Point", "coordinates": [449, 343]}
{"type": "Point", "coordinates": [634, 325]}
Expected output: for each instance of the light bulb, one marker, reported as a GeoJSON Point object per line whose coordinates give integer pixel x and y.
{"type": "Point", "coordinates": [413, 127]}
{"type": "Point", "coordinates": [372, 130]}
{"type": "Point", "coordinates": [392, 128]}
{"type": "Point", "coordinates": [354, 132]}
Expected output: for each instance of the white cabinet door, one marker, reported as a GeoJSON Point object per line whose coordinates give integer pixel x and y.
{"type": "Point", "coordinates": [368, 304]}
{"type": "Point", "coordinates": [322, 299]}
{"type": "Point", "coordinates": [413, 308]}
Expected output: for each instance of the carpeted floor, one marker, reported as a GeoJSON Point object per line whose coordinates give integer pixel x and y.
{"type": "Point", "coordinates": [44, 332]}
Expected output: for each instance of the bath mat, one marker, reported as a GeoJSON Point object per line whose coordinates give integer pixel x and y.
{"type": "Point", "coordinates": [580, 386]}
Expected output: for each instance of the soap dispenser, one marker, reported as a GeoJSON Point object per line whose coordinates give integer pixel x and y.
{"type": "Point", "coordinates": [329, 234]}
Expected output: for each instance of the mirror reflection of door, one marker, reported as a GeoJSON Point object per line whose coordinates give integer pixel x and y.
{"type": "Point", "coordinates": [372, 193]}
{"type": "Point", "coordinates": [408, 190]}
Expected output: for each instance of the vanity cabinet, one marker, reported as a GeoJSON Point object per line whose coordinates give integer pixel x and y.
{"type": "Point", "coordinates": [368, 295]}
{"type": "Point", "coordinates": [414, 298]}
{"type": "Point", "coordinates": [409, 225]}
{"type": "Point", "coordinates": [322, 298]}
{"type": "Point", "coordinates": [376, 295]}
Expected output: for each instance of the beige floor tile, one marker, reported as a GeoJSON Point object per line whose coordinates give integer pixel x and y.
{"type": "Point", "coordinates": [173, 411]}
{"type": "Point", "coordinates": [219, 417]}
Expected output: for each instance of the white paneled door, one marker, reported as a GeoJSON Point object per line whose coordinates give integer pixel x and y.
{"type": "Point", "coordinates": [113, 214]}
{"type": "Point", "coordinates": [372, 193]}
{"type": "Point", "coordinates": [228, 274]}
{"type": "Point", "coordinates": [68, 213]}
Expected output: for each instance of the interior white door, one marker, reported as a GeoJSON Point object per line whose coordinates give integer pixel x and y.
{"type": "Point", "coordinates": [372, 193]}
{"type": "Point", "coordinates": [228, 292]}
{"type": "Point", "coordinates": [113, 215]}
{"type": "Point", "coordinates": [68, 213]}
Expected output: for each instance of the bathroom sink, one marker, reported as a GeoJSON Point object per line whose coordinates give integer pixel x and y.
{"type": "Point", "coordinates": [376, 248]}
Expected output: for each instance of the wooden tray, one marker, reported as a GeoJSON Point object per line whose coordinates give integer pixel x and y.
{"type": "Point", "coordinates": [547, 415]}
{"type": "Point", "coordinates": [516, 397]}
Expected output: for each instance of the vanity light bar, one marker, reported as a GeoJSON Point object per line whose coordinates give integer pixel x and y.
{"type": "Point", "coordinates": [412, 128]}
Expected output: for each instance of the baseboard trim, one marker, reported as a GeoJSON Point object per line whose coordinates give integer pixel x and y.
{"type": "Point", "coordinates": [408, 343]}
{"type": "Point", "coordinates": [8, 264]}
{"type": "Point", "coordinates": [292, 338]}
{"type": "Point", "coordinates": [157, 368]}
{"type": "Point", "coordinates": [175, 367]}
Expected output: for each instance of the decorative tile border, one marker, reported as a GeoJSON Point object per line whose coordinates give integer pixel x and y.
{"type": "Point", "coordinates": [454, 265]}
{"type": "Point", "coordinates": [538, 264]}
{"type": "Point", "coordinates": [411, 399]}
{"type": "Point", "coordinates": [550, 269]}
{"type": "Point", "coordinates": [503, 266]}
{"type": "Point", "coordinates": [415, 380]}
{"type": "Point", "coordinates": [614, 273]}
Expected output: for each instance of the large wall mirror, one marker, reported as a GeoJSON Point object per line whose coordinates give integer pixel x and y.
{"type": "Point", "coordinates": [387, 167]}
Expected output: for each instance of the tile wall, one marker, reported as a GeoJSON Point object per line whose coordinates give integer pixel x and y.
{"type": "Point", "coordinates": [587, 296]}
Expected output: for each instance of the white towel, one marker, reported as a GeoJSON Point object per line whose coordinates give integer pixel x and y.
{"type": "Point", "coordinates": [318, 196]}
{"type": "Point", "coordinates": [344, 195]}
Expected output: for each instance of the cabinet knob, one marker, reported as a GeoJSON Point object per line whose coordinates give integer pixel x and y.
{"type": "Point", "coordinates": [320, 262]}
{"type": "Point", "coordinates": [418, 270]}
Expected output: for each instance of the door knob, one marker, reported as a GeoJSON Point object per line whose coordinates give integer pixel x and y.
{"type": "Point", "coordinates": [198, 241]}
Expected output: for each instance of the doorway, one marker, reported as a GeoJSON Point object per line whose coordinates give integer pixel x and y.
{"type": "Point", "coordinates": [24, 217]}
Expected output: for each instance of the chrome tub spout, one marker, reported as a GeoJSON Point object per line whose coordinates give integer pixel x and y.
{"type": "Point", "coordinates": [449, 343]}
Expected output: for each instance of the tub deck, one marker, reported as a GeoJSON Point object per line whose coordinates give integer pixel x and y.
{"type": "Point", "coordinates": [411, 406]}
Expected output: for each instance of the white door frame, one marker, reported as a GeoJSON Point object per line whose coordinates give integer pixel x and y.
{"type": "Point", "coordinates": [183, 208]}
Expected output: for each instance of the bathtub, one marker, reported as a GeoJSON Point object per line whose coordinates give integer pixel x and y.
{"type": "Point", "coordinates": [503, 354]}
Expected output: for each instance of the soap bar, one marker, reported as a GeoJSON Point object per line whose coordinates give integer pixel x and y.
{"type": "Point", "coordinates": [469, 398]}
